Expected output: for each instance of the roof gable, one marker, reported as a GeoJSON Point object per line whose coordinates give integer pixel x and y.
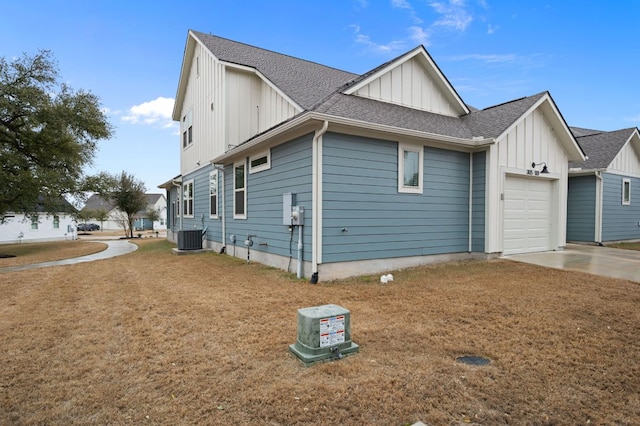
{"type": "Point", "coordinates": [305, 82]}
{"type": "Point", "coordinates": [603, 148]}
{"type": "Point", "coordinates": [412, 80]}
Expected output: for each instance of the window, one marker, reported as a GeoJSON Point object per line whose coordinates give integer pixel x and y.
{"type": "Point", "coordinates": [239, 191]}
{"type": "Point", "coordinates": [410, 162]}
{"type": "Point", "coordinates": [56, 222]}
{"type": "Point", "coordinates": [626, 192]}
{"type": "Point", "coordinates": [188, 199]}
{"type": "Point", "coordinates": [34, 222]}
{"type": "Point", "coordinates": [187, 129]}
{"type": "Point", "coordinates": [260, 162]}
{"type": "Point", "coordinates": [213, 194]}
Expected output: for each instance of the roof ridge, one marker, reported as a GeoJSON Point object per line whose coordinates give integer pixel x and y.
{"type": "Point", "coordinates": [271, 51]}
{"type": "Point", "coordinates": [512, 101]}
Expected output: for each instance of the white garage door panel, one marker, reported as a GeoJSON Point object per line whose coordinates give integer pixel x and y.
{"type": "Point", "coordinates": [527, 215]}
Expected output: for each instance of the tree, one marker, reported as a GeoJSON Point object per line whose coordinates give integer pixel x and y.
{"type": "Point", "coordinates": [48, 134]}
{"type": "Point", "coordinates": [101, 215]}
{"type": "Point", "coordinates": [128, 195]}
{"type": "Point", "coordinates": [153, 215]}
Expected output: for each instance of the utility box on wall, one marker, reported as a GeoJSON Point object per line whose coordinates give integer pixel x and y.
{"type": "Point", "coordinates": [324, 334]}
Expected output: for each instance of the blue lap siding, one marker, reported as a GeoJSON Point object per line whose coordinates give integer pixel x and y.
{"type": "Point", "coordinates": [620, 222]}
{"type": "Point", "coordinates": [581, 209]}
{"type": "Point", "coordinates": [290, 172]}
{"type": "Point", "coordinates": [364, 215]}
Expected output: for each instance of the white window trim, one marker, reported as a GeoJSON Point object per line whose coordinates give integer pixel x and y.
{"type": "Point", "coordinates": [217, 177]}
{"type": "Point", "coordinates": [261, 167]}
{"type": "Point", "coordinates": [625, 182]}
{"type": "Point", "coordinates": [235, 215]}
{"type": "Point", "coordinates": [410, 189]}
{"type": "Point", "coordinates": [184, 193]}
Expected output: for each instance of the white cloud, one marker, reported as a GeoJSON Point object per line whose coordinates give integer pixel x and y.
{"type": "Point", "coordinates": [491, 29]}
{"type": "Point", "coordinates": [401, 4]}
{"type": "Point", "coordinates": [635, 118]}
{"type": "Point", "coordinates": [489, 59]}
{"type": "Point", "coordinates": [377, 47]}
{"type": "Point", "coordinates": [155, 112]}
{"type": "Point", "coordinates": [419, 35]}
{"type": "Point", "coordinates": [454, 14]}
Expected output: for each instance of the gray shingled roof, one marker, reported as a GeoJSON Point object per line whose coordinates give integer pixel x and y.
{"type": "Point", "coordinates": [307, 83]}
{"type": "Point", "coordinates": [601, 147]}
{"type": "Point", "coordinates": [319, 88]}
{"type": "Point", "coordinates": [493, 121]}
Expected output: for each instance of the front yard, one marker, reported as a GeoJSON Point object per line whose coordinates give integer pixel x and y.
{"type": "Point", "coordinates": [153, 338]}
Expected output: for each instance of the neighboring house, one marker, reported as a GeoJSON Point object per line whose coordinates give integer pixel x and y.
{"type": "Point", "coordinates": [115, 217]}
{"type": "Point", "coordinates": [40, 225]}
{"type": "Point", "coordinates": [391, 167]}
{"type": "Point", "coordinates": [604, 191]}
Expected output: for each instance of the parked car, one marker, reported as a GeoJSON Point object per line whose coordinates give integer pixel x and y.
{"type": "Point", "coordinates": [88, 227]}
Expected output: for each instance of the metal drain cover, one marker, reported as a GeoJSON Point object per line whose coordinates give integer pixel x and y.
{"type": "Point", "coordinates": [473, 360]}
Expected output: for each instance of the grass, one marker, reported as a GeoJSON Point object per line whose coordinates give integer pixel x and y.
{"type": "Point", "coordinates": [627, 246]}
{"type": "Point", "coordinates": [153, 338]}
{"type": "Point", "coordinates": [26, 253]}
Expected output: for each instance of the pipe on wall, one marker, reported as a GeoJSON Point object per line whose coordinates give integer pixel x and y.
{"type": "Point", "coordinates": [316, 220]}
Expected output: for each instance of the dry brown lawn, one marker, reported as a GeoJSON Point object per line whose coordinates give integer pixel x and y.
{"type": "Point", "coordinates": [153, 338]}
{"type": "Point", "coordinates": [28, 253]}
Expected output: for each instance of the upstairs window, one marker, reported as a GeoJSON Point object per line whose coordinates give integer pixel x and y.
{"type": "Point", "coordinates": [626, 192]}
{"type": "Point", "coordinates": [187, 129]}
{"type": "Point", "coordinates": [410, 163]}
{"type": "Point", "coordinates": [187, 205]}
{"type": "Point", "coordinates": [213, 194]}
{"type": "Point", "coordinates": [260, 162]}
{"type": "Point", "coordinates": [239, 191]}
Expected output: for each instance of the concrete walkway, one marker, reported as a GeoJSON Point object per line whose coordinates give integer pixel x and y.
{"type": "Point", "coordinates": [608, 262]}
{"type": "Point", "coordinates": [114, 248]}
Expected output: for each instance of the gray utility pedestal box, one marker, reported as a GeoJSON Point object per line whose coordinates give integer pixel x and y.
{"type": "Point", "coordinates": [324, 334]}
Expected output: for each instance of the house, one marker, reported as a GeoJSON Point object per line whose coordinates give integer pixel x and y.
{"type": "Point", "coordinates": [40, 225]}
{"type": "Point", "coordinates": [309, 168]}
{"type": "Point", "coordinates": [115, 217]}
{"type": "Point", "coordinates": [604, 191]}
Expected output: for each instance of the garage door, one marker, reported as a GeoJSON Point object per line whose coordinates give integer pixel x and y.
{"type": "Point", "coordinates": [527, 215]}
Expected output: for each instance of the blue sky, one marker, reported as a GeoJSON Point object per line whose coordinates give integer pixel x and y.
{"type": "Point", "coordinates": [128, 53]}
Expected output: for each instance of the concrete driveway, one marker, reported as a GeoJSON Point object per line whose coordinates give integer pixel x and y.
{"type": "Point", "coordinates": [608, 262]}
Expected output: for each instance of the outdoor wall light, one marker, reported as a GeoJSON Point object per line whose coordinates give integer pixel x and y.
{"type": "Point", "coordinates": [544, 168]}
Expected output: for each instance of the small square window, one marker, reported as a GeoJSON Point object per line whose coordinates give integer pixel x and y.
{"type": "Point", "coordinates": [626, 192]}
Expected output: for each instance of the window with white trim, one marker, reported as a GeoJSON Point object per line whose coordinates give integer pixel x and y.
{"type": "Point", "coordinates": [260, 162]}
{"type": "Point", "coordinates": [187, 129]}
{"type": "Point", "coordinates": [213, 194]}
{"type": "Point", "coordinates": [34, 222]}
{"type": "Point", "coordinates": [56, 222]}
{"type": "Point", "coordinates": [410, 162]}
{"type": "Point", "coordinates": [187, 192]}
{"type": "Point", "coordinates": [626, 192]}
{"type": "Point", "coordinates": [239, 191]}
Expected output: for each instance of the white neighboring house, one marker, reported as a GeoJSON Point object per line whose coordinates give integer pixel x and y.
{"type": "Point", "coordinates": [115, 216]}
{"type": "Point", "coordinates": [39, 226]}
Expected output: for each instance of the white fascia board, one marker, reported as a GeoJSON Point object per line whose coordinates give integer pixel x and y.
{"type": "Point", "coordinates": [418, 51]}
{"type": "Point", "coordinates": [265, 79]}
{"type": "Point", "coordinates": [314, 116]}
{"type": "Point", "coordinates": [584, 172]}
{"type": "Point", "coordinates": [185, 69]}
{"type": "Point", "coordinates": [574, 152]}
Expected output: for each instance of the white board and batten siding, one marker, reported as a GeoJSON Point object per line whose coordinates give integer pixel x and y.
{"type": "Point", "coordinates": [229, 105]}
{"type": "Point", "coordinates": [525, 213]}
{"type": "Point", "coordinates": [409, 85]}
{"type": "Point", "coordinates": [627, 162]}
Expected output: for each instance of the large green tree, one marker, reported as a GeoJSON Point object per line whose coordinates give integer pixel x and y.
{"type": "Point", "coordinates": [48, 134]}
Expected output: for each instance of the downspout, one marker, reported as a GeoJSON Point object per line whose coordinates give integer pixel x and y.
{"type": "Point", "coordinates": [316, 197]}
{"type": "Point", "coordinates": [598, 233]}
{"type": "Point", "coordinates": [470, 202]}
{"type": "Point", "coordinates": [222, 214]}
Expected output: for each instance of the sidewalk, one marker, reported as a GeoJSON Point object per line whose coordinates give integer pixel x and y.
{"type": "Point", "coordinates": [114, 248]}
